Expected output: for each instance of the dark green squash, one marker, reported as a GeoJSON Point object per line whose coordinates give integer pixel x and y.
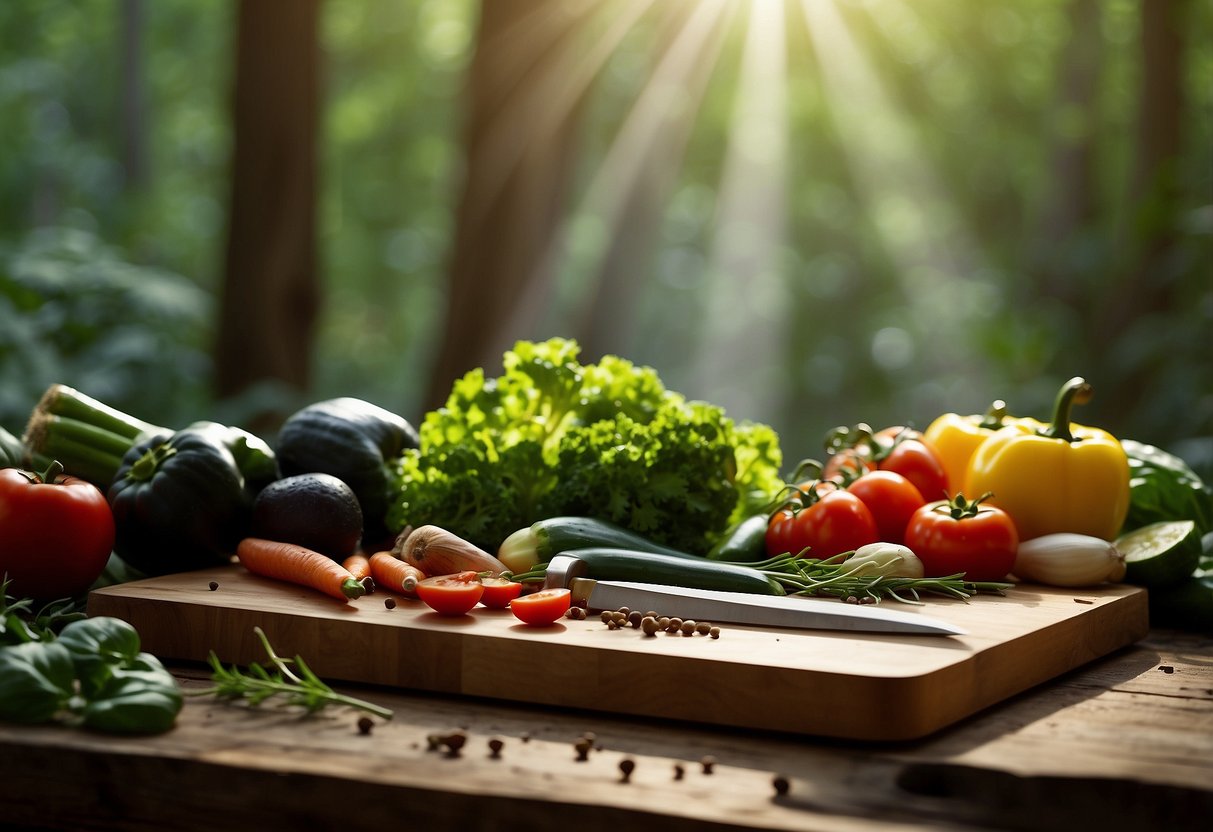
{"type": "Point", "coordinates": [10, 450]}
{"type": "Point", "coordinates": [179, 503]}
{"type": "Point", "coordinates": [353, 440]}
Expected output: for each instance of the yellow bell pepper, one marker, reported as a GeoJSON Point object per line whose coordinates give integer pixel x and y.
{"type": "Point", "coordinates": [1059, 477]}
{"type": "Point", "coordinates": [954, 438]}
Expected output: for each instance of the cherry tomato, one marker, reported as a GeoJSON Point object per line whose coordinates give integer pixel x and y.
{"type": "Point", "coordinates": [829, 521]}
{"type": "Point", "coordinates": [959, 535]}
{"type": "Point", "coordinates": [908, 454]}
{"type": "Point", "coordinates": [891, 498]}
{"type": "Point", "coordinates": [542, 607]}
{"type": "Point", "coordinates": [451, 594]}
{"type": "Point", "coordinates": [499, 592]}
{"type": "Point", "coordinates": [848, 464]}
{"type": "Point", "coordinates": [56, 533]}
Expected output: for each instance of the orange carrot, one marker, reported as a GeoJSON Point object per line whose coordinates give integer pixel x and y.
{"type": "Point", "coordinates": [389, 571]}
{"type": "Point", "coordinates": [360, 567]}
{"type": "Point", "coordinates": [296, 564]}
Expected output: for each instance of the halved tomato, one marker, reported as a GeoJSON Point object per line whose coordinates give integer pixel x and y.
{"type": "Point", "coordinates": [451, 594]}
{"type": "Point", "coordinates": [542, 607]}
{"type": "Point", "coordinates": [499, 592]}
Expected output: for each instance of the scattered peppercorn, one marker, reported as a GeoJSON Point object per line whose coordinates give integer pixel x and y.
{"type": "Point", "coordinates": [213, 585]}
{"type": "Point", "coordinates": [611, 625]}
{"type": "Point", "coordinates": [433, 742]}
{"type": "Point", "coordinates": [679, 771]}
{"type": "Point", "coordinates": [365, 725]}
{"type": "Point", "coordinates": [525, 737]}
{"type": "Point", "coordinates": [708, 762]}
{"type": "Point", "coordinates": [851, 599]}
{"type": "Point", "coordinates": [663, 621]}
{"type": "Point", "coordinates": [649, 625]}
{"type": "Point", "coordinates": [454, 742]}
{"type": "Point", "coordinates": [607, 616]}
{"type": "Point", "coordinates": [390, 603]}
{"type": "Point", "coordinates": [634, 618]}
{"type": "Point", "coordinates": [703, 628]}
{"type": "Point", "coordinates": [688, 628]}
{"type": "Point", "coordinates": [1166, 668]}
{"type": "Point", "coordinates": [626, 766]}
{"type": "Point", "coordinates": [624, 611]}
{"type": "Point", "coordinates": [781, 784]}
{"type": "Point", "coordinates": [714, 632]}
{"type": "Point", "coordinates": [583, 748]}
{"type": "Point", "coordinates": [495, 746]}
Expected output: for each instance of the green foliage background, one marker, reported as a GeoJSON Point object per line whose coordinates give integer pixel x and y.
{"type": "Point", "coordinates": [108, 284]}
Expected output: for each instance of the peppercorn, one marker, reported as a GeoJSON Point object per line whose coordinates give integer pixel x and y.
{"type": "Point", "coordinates": [390, 603]}
{"type": "Point", "coordinates": [583, 747]}
{"type": "Point", "coordinates": [495, 746]}
{"type": "Point", "coordinates": [649, 625]}
{"type": "Point", "coordinates": [714, 632]}
{"type": "Point", "coordinates": [607, 616]}
{"type": "Point", "coordinates": [781, 784]}
{"type": "Point", "coordinates": [679, 771]}
{"type": "Point", "coordinates": [454, 742]}
{"type": "Point", "coordinates": [688, 628]}
{"type": "Point", "coordinates": [703, 628]}
{"type": "Point", "coordinates": [213, 585]}
{"type": "Point", "coordinates": [708, 762]}
{"type": "Point", "coordinates": [365, 725]}
{"type": "Point", "coordinates": [634, 619]}
{"type": "Point", "coordinates": [626, 766]}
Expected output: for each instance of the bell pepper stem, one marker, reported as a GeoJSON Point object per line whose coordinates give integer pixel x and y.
{"type": "Point", "coordinates": [995, 416]}
{"type": "Point", "coordinates": [1075, 391]}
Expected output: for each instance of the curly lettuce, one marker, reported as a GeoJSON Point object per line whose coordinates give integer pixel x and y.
{"type": "Point", "coordinates": [551, 436]}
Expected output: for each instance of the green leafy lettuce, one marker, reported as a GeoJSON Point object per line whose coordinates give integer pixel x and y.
{"type": "Point", "coordinates": [551, 436]}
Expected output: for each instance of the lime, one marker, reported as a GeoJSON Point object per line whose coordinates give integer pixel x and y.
{"type": "Point", "coordinates": [1160, 554]}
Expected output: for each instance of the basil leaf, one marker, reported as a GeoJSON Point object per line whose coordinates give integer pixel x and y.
{"type": "Point", "coordinates": [98, 646]}
{"type": "Point", "coordinates": [1163, 487]}
{"type": "Point", "coordinates": [36, 681]}
{"type": "Point", "coordinates": [136, 701]}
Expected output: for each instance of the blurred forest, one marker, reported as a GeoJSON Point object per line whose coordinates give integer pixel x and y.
{"type": "Point", "coordinates": [813, 212]}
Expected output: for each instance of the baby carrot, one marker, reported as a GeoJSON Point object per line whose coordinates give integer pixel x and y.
{"type": "Point", "coordinates": [360, 567]}
{"type": "Point", "coordinates": [296, 564]}
{"type": "Point", "coordinates": [389, 571]}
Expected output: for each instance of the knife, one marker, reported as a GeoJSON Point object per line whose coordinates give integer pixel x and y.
{"type": "Point", "coordinates": [737, 607]}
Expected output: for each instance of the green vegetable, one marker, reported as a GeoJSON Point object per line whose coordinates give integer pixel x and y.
{"type": "Point", "coordinates": [552, 437]}
{"type": "Point", "coordinates": [259, 684]}
{"type": "Point", "coordinates": [1163, 487]}
{"type": "Point", "coordinates": [646, 567]}
{"type": "Point", "coordinates": [35, 681]}
{"type": "Point", "coordinates": [743, 542]}
{"type": "Point", "coordinates": [544, 539]}
{"type": "Point", "coordinates": [355, 441]}
{"type": "Point", "coordinates": [10, 450]}
{"type": "Point", "coordinates": [179, 503]}
{"type": "Point", "coordinates": [90, 438]}
{"type": "Point", "coordinates": [92, 674]}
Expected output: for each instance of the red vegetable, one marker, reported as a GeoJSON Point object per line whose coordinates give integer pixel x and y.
{"type": "Point", "coordinates": [499, 592]}
{"type": "Point", "coordinates": [543, 607]}
{"type": "Point", "coordinates": [451, 594]}
{"type": "Point", "coordinates": [56, 533]}
{"type": "Point", "coordinates": [824, 519]}
{"type": "Point", "coordinates": [959, 535]}
{"type": "Point", "coordinates": [891, 498]}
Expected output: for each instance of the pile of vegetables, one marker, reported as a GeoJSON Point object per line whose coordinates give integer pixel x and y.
{"type": "Point", "coordinates": [552, 436]}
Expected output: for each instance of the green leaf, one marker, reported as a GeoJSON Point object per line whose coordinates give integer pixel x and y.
{"type": "Point", "coordinates": [36, 681]}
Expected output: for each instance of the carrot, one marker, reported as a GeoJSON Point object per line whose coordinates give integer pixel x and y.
{"type": "Point", "coordinates": [388, 570]}
{"type": "Point", "coordinates": [298, 565]}
{"type": "Point", "coordinates": [360, 567]}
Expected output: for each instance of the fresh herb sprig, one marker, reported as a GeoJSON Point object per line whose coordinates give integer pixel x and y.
{"type": "Point", "coordinates": [303, 688]}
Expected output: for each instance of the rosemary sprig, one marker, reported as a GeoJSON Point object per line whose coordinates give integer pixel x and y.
{"type": "Point", "coordinates": [258, 684]}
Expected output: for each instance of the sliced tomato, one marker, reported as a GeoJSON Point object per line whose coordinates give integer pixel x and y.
{"type": "Point", "coordinates": [499, 592]}
{"type": "Point", "coordinates": [542, 607]}
{"type": "Point", "coordinates": [451, 594]}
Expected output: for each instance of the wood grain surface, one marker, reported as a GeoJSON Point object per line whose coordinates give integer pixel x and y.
{"type": "Point", "coordinates": [1126, 742]}
{"type": "Point", "coordinates": [817, 682]}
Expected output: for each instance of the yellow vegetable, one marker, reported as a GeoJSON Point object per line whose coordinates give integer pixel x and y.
{"type": "Point", "coordinates": [1060, 477]}
{"type": "Point", "coordinates": [954, 438]}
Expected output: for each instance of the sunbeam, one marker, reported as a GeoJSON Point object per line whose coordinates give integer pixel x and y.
{"type": "Point", "coordinates": [744, 318]}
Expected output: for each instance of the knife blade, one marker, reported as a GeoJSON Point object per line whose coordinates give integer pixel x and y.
{"type": "Point", "coordinates": [757, 610]}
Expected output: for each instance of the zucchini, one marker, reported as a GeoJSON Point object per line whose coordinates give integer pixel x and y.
{"type": "Point", "coordinates": [745, 542]}
{"type": "Point", "coordinates": [544, 539]}
{"type": "Point", "coordinates": [696, 573]}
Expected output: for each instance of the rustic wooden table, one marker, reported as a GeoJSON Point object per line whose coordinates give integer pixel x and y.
{"type": "Point", "coordinates": [1123, 742]}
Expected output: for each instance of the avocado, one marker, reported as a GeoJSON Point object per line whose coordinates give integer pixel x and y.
{"type": "Point", "coordinates": [317, 511]}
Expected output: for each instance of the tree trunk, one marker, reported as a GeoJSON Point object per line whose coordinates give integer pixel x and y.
{"type": "Point", "coordinates": [511, 204]}
{"type": "Point", "coordinates": [271, 293]}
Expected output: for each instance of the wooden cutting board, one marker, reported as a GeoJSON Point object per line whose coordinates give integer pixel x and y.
{"type": "Point", "coordinates": [867, 687]}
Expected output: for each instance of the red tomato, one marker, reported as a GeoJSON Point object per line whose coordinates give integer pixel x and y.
{"type": "Point", "coordinates": [957, 535]}
{"type": "Point", "coordinates": [830, 523]}
{"type": "Point", "coordinates": [918, 462]}
{"type": "Point", "coordinates": [55, 534]}
{"type": "Point", "coordinates": [499, 592]}
{"type": "Point", "coordinates": [451, 594]}
{"type": "Point", "coordinates": [891, 498]}
{"type": "Point", "coordinates": [542, 607]}
{"type": "Point", "coordinates": [848, 464]}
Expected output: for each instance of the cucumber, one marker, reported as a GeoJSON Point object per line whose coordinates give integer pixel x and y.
{"type": "Point", "coordinates": [544, 539]}
{"type": "Point", "coordinates": [609, 564]}
{"type": "Point", "coordinates": [745, 542]}
{"type": "Point", "coordinates": [1161, 554]}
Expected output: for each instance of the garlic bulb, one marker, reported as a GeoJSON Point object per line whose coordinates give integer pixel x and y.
{"type": "Point", "coordinates": [1067, 559]}
{"type": "Point", "coordinates": [888, 559]}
